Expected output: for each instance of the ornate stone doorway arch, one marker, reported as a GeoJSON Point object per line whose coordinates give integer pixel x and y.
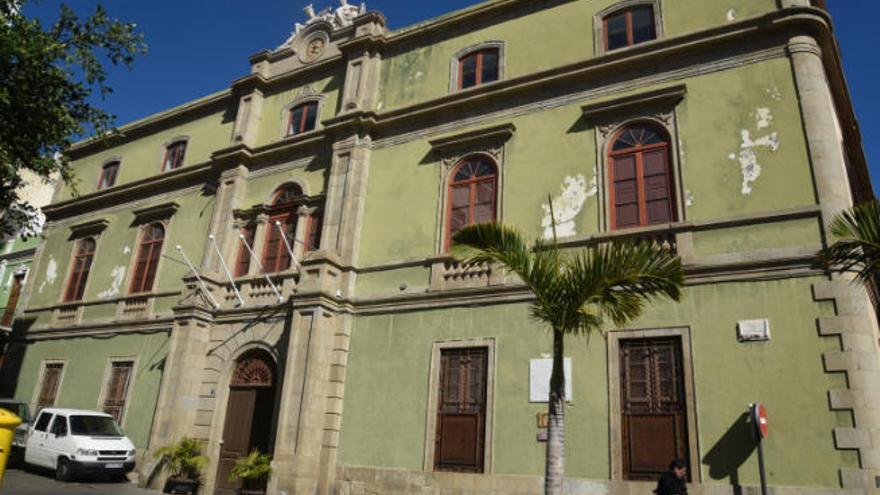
{"type": "Point", "coordinates": [250, 414]}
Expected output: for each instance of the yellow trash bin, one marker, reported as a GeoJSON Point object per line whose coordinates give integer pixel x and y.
{"type": "Point", "coordinates": [8, 422]}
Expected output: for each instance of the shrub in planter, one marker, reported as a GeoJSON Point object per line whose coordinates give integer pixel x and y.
{"type": "Point", "coordinates": [253, 471]}
{"type": "Point", "coordinates": [184, 462]}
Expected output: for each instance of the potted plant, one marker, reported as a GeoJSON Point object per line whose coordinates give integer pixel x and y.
{"type": "Point", "coordinates": [253, 471]}
{"type": "Point", "coordinates": [184, 462]}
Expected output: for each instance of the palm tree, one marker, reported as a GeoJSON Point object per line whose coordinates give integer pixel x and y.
{"type": "Point", "coordinates": [574, 293]}
{"type": "Point", "coordinates": [857, 249]}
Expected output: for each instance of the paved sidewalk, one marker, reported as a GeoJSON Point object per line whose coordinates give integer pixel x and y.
{"type": "Point", "coordinates": [38, 482]}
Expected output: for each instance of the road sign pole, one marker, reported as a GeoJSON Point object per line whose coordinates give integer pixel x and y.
{"type": "Point", "coordinates": [759, 418]}
{"type": "Point", "coordinates": [761, 466]}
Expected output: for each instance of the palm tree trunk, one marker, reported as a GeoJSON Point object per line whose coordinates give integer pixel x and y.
{"type": "Point", "coordinates": [554, 472]}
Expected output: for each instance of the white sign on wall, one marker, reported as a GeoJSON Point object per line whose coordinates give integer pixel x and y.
{"type": "Point", "coordinates": [539, 379]}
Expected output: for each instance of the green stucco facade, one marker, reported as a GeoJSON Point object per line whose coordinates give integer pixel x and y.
{"type": "Point", "coordinates": [756, 120]}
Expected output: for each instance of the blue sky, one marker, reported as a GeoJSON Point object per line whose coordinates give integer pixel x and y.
{"type": "Point", "coordinates": [200, 46]}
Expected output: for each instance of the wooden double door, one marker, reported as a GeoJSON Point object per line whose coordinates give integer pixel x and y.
{"type": "Point", "coordinates": [250, 416]}
{"type": "Point", "coordinates": [653, 406]}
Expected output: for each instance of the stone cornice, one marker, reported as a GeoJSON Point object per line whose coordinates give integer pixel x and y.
{"type": "Point", "coordinates": [158, 184]}
{"type": "Point", "coordinates": [482, 12]}
{"type": "Point", "coordinates": [151, 123]}
{"type": "Point", "coordinates": [248, 83]}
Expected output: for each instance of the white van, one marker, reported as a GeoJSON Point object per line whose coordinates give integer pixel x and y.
{"type": "Point", "coordinates": [73, 442]}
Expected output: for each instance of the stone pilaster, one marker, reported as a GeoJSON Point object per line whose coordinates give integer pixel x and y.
{"type": "Point", "coordinates": [178, 401]}
{"type": "Point", "coordinates": [310, 412]}
{"type": "Point", "coordinates": [822, 127]}
{"type": "Point", "coordinates": [227, 198]}
{"type": "Point", "coordinates": [247, 122]}
{"type": "Point", "coordinates": [855, 322]}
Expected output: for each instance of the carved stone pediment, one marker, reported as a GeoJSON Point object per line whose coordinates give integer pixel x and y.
{"type": "Point", "coordinates": [489, 141]}
{"type": "Point", "coordinates": [162, 212]}
{"type": "Point", "coordinates": [88, 229]}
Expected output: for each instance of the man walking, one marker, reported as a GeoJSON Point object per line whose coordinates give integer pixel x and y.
{"type": "Point", "coordinates": [674, 482]}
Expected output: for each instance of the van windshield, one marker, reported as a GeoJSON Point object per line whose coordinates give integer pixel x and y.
{"type": "Point", "coordinates": [94, 426]}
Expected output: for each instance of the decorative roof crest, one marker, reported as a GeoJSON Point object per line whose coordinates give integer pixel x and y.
{"type": "Point", "coordinates": [340, 17]}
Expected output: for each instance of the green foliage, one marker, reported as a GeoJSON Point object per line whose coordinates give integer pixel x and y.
{"type": "Point", "coordinates": [857, 248]}
{"type": "Point", "coordinates": [254, 467]}
{"type": "Point", "coordinates": [183, 459]}
{"type": "Point", "coordinates": [576, 291]}
{"type": "Point", "coordinates": [48, 78]}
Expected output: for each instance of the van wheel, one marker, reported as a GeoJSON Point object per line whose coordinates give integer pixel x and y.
{"type": "Point", "coordinates": [62, 470]}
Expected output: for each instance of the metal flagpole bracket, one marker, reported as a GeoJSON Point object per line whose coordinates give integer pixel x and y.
{"type": "Point", "coordinates": [198, 277]}
{"type": "Point", "coordinates": [260, 265]}
{"type": "Point", "coordinates": [226, 269]}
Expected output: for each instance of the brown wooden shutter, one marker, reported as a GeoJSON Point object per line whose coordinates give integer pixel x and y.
{"type": "Point", "coordinates": [461, 415]}
{"type": "Point", "coordinates": [316, 224]}
{"type": "Point", "coordinates": [276, 258]}
{"type": "Point", "coordinates": [484, 207]}
{"type": "Point", "coordinates": [658, 197]}
{"type": "Point", "coordinates": [460, 208]}
{"type": "Point", "coordinates": [12, 302]}
{"type": "Point", "coordinates": [49, 386]}
{"type": "Point", "coordinates": [152, 265]}
{"type": "Point", "coordinates": [243, 263]}
{"type": "Point", "coordinates": [654, 413]}
{"type": "Point", "coordinates": [117, 389]}
{"type": "Point", "coordinates": [626, 191]}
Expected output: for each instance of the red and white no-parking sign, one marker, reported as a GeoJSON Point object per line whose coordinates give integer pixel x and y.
{"type": "Point", "coordinates": [759, 416]}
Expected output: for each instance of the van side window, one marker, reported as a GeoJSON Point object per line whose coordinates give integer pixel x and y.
{"type": "Point", "coordinates": [43, 422]}
{"type": "Point", "coordinates": [59, 426]}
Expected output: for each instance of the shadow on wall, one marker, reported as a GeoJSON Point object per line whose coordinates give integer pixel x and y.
{"type": "Point", "coordinates": [16, 348]}
{"type": "Point", "coordinates": [731, 451]}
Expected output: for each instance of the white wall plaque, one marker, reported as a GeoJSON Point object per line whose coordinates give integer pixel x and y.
{"type": "Point", "coordinates": [539, 379]}
{"type": "Point", "coordinates": [753, 330]}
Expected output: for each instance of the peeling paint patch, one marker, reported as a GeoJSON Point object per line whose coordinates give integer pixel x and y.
{"type": "Point", "coordinates": [568, 205]}
{"type": "Point", "coordinates": [126, 250]}
{"type": "Point", "coordinates": [748, 153]}
{"type": "Point", "coordinates": [764, 117]}
{"type": "Point", "coordinates": [774, 93]}
{"type": "Point", "coordinates": [118, 275]}
{"type": "Point", "coordinates": [688, 198]}
{"type": "Point", "coordinates": [731, 15]}
{"type": "Point", "coordinates": [51, 274]}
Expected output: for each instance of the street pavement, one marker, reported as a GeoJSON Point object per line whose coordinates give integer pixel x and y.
{"type": "Point", "coordinates": [39, 482]}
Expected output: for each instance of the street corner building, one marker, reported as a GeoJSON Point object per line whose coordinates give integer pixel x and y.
{"type": "Point", "coordinates": [268, 266]}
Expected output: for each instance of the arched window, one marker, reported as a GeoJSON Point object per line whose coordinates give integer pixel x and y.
{"type": "Point", "coordinates": [302, 118]}
{"type": "Point", "coordinates": [148, 255]}
{"type": "Point", "coordinates": [108, 175]}
{"type": "Point", "coordinates": [472, 194]}
{"type": "Point", "coordinates": [174, 155]}
{"type": "Point", "coordinates": [479, 67]}
{"type": "Point", "coordinates": [276, 257]}
{"type": "Point", "coordinates": [628, 27]}
{"type": "Point", "coordinates": [640, 177]}
{"type": "Point", "coordinates": [79, 271]}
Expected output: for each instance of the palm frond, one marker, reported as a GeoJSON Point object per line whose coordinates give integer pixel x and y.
{"type": "Point", "coordinates": [857, 249]}
{"type": "Point", "coordinates": [620, 278]}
